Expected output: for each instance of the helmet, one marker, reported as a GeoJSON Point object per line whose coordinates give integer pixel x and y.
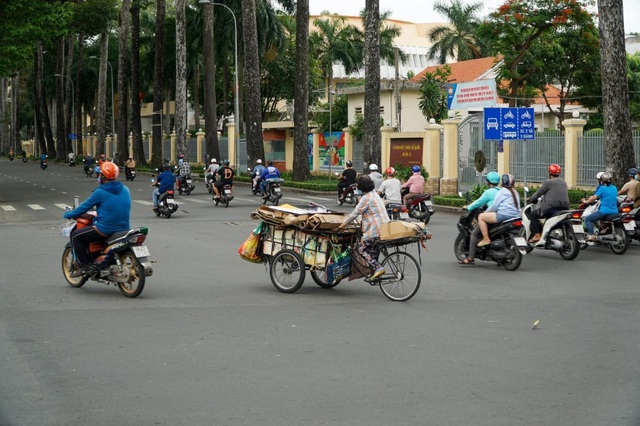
{"type": "Point", "coordinates": [109, 170]}
{"type": "Point", "coordinates": [554, 170]}
{"type": "Point", "coordinates": [599, 175]}
{"type": "Point", "coordinates": [606, 178]}
{"type": "Point", "coordinates": [390, 171]}
{"type": "Point", "coordinates": [493, 178]}
{"type": "Point", "coordinates": [167, 166]}
{"type": "Point", "coordinates": [258, 161]}
{"type": "Point", "coordinates": [373, 167]}
{"type": "Point", "coordinates": [181, 155]}
{"type": "Point", "coordinates": [508, 181]}
{"type": "Point", "coordinates": [213, 160]}
{"type": "Point", "coordinates": [270, 163]}
{"type": "Point", "coordinates": [632, 171]}
{"type": "Point", "coordinates": [226, 162]}
{"type": "Point", "coordinates": [349, 163]}
{"type": "Point", "coordinates": [415, 169]}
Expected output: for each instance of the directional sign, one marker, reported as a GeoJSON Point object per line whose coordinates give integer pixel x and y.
{"type": "Point", "coordinates": [72, 136]}
{"type": "Point", "coordinates": [508, 123]}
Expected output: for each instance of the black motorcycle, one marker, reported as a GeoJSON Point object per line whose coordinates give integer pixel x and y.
{"type": "Point", "coordinates": [10, 157]}
{"type": "Point", "coordinates": [186, 185]}
{"type": "Point", "coordinates": [397, 211]}
{"type": "Point", "coordinates": [88, 170]}
{"type": "Point", "coordinates": [24, 158]}
{"type": "Point", "coordinates": [631, 222]}
{"type": "Point", "coordinates": [166, 204]}
{"type": "Point", "coordinates": [43, 164]}
{"type": "Point", "coordinates": [506, 248]}
{"type": "Point", "coordinates": [225, 196]}
{"type": "Point", "coordinates": [72, 162]}
{"type": "Point", "coordinates": [273, 191]}
{"type": "Point", "coordinates": [129, 173]}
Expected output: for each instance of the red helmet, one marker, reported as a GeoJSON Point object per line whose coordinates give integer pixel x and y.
{"type": "Point", "coordinates": [109, 170]}
{"type": "Point", "coordinates": [390, 171]}
{"type": "Point", "coordinates": [555, 170]}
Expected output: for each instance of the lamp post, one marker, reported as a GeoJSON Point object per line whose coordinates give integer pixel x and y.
{"type": "Point", "coordinates": [113, 108]}
{"type": "Point", "coordinates": [236, 104]}
{"type": "Point", "coordinates": [73, 113]}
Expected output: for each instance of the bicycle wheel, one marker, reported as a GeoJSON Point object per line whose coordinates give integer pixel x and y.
{"type": "Point", "coordinates": [320, 278]}
{"type": "Point", "coordinates": [402, 276]}
{"type": "Point", "coordinates": [287, 271]}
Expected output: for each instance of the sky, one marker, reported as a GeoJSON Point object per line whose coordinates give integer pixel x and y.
{"type": "Point", "coordinates": [420, 11]}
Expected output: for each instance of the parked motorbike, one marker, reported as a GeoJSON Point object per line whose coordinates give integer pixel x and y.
{"type": "Point", "coordinates": [121, 260]}
{"type": "Point", "coordinates": [351, 195]}
{"type": "Point", "coordinates": [186, 185]}
{"type": "Point", "coordinates": [610, 231]}
{"type": "Point", "coordinates": [420, 207]}
{"type": "Point", "coordinates": [129, 173]}
{"type": "Point", "coordinates": [562, 232]}
{"type": "Point", "coordinates": [166, 203]}
{"type": "Point", "coordinates": [225, 196]}
{"type": "Point", "coordinates": [506, 248]}
{"type": "Point", "coordinates": [273, 192]}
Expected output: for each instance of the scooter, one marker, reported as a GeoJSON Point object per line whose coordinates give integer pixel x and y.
{"type": "Point", "coordinates": [631, 221]}
{"type": "Point", "coordinates": [88, 170]}
{"type": "Point", "coordinates": [72, 162]}
{"type": "Point", "coordinates": [43, 164]}
{"type": "Point", "coordinates": [506, 248]}
{"type": "Point", "coordinates": [24, 158]}
{"type": "Point", "coordinates": [10, 157]}
{"type": "Point", "coordinates": [562, 232]}
{"type": "Point", "coordinates": [186, 185]}
{"type": "Point", "coordinates": [351, 195]}
{"type": "Point", "coordinates": [225, 196]}
{"type": "Point", "coordinates": [121, 260]}
{"type": "Point", "coordinates": [130, 174]}
{"type": "Point", "coordinates": [166, 203]}
{"type": "Point", "coordinates": [273, 192]}
{"type": "Point", "coordinates": [610, 231]}
{"type": "Point", "coordinates": [420, 207]}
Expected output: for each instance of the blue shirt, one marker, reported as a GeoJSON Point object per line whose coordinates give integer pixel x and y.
{"type": "Point", "coordinates": [608, 195]}
{"type": "Point", "coordinates": [270, 173]}
{"type": "Point", "coordinates": [503, 204]}
{"type": "Point", "coordinates": [257, 170]}
{"type": "Point", "coordinates": [166, 180]}
{"type": "Point", "coordinates": [112, 201]}
{"type": "Point", "coordinates": [486, 198]}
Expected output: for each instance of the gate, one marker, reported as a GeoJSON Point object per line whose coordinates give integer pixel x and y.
{"type": "Point", "coordinates": [471, 140]}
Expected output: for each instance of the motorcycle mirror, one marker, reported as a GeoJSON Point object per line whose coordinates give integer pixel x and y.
{"type": "Point", "coordinates": [526, 189]}
{"type": "Point", "coordinates": [152, 180]}
{"type": "Point", "coordinates": [460, 194]}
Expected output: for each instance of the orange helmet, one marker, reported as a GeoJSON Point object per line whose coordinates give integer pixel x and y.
{"type": "Point", "coordinates": [109, 170]}
{"type": "Point", "coordinates": [390, 171]}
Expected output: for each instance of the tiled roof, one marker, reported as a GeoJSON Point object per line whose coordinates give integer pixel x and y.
{"type": "Point", "coordinates": [464, 71]}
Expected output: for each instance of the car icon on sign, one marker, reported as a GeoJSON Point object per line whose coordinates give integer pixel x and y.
{"type": "Point", "coordinates": [509, 125]}
{"type": "Point", "coordinates": [509, 114]}
{"type": "Point", "coordinates": [492, 123]}
{"type": "Point", "coordinates": [526, 124]}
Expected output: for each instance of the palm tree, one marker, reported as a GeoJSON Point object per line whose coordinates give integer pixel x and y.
{"type": "Point", "coordinates": [300, 113]}
{"type": "Point", "coordinates": [459, 39]}
{"type": "Point", "coordinates": [372, 142]}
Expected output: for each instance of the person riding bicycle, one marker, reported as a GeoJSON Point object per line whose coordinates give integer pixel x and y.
{"type": "Point", "coordinates": [556, 198]}
{"type": "Point", "coordinates": [390, 188]}
{"type": "Point", "coordinates": [347, 178]}
{"type": "Point", "coordinates": [166, 181]}
{"type": "Point", "coordinates": [608, 196]}
{"type": "Point", "coordinates": [485, 200]}
{"type": "Point", "coordinates": [415, 184]}
{"type": "Point", "coordinates": [112, 201]}
{"type": "Point", "coordinates": [225, 177]}
{"type": "Point", "coordinates": [270, 172]}
{"type": "Point", "coordinates": [374, 214]}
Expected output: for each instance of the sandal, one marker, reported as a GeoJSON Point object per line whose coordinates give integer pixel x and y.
{"type": "Point", "coordinates": [484, 243]}
{"type": "Point", "coordinates": [535, 238]}
{"type": "Point", "coordinates": [467, 261]}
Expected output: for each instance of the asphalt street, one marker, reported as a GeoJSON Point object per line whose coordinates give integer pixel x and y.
{"type": "Point", "coordinates": [211, 342]}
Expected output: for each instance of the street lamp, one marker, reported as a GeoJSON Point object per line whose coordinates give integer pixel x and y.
{"type": "Point", "coordinates": [113, 108]}
{"type": "Point", "coordinates": [236, 105]}
{"type": "Point", "coordinates": [73, 113]}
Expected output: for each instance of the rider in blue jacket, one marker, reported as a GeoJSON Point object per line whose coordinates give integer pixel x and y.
{"type": "Point", "coordinates": [270, 172]}
{"type": "Point", "coordinates": [166, 181]}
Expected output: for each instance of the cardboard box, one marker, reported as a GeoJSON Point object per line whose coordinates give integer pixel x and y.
{"type": "Point", "coordinates": [325, 221]}
{"type": "Point", "coordinates": [398, 229]}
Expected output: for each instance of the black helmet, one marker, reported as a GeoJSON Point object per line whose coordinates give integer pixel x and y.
{"type": "Point", "coordinates": [508, 181]}
{"type": "Point", "coordinates": [270, 163]}
{"type": "Point", "coordinates": [166, 166]}
{"type": "Point", "coordinates": [349, 163]}
{"type": "Point", "coordinates": [226, 162]}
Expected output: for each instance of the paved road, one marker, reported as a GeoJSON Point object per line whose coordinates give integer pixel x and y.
{"type": "Point", "coordinates": [211, 342]}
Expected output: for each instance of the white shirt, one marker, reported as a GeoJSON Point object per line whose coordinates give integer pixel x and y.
{"type": "Point", "coordinates": [391, 189]}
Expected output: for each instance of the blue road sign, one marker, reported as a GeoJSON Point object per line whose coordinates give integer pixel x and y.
{"type": "Point", "coordinates": [72, 136]}
{"type": "Point", "coordinates": [508, 123]}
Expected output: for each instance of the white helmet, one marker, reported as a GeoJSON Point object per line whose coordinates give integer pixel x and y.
{"type": "Point", "coordinates": [373, 167]}
{"type": "Point", "coordinates": [258, 161]}
{"type": "Point", "coordinates": [213, 160]}
{"type": "Point", "coordinates": [599, 175]}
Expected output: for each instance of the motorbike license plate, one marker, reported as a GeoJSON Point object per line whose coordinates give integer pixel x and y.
{"type": "Point", "coordinates": [170, 201]}
{"type": "Point", "coordinates": [277, 189]}
{"type": "Point", "coordinates": [630, 226]}
{"type": "Point", "coordinates": [404, 215]}
{"type": "Point", "coordinates": [189, 181]}
{"type": "Point", "coordinates": [578, 229]}
{"type": "Point", "coordinates": [520, 242]}
{"type": "Point", "coordinates": [141, 251]}
{"type": "Point", "coordinates": [227, 191]}
{"type": "Point", "coordinates": [428, 203]}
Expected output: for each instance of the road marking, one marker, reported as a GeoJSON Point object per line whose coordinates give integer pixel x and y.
{"type": "Point", "coordinates": [321, 198]}
{"type": "Point", "coordinates": [8, 208]}
{"type": "Point", "coordinates": [36, 207]}
{"type": "Point", "coordinates": [143, 202]}
{"type": "Point", "coordinates": [62, 206]}
{"type": "Point", "coordinates": [197, 200]}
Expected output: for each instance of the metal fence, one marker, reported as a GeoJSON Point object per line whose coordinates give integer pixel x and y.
{"type": "Point", "coordinates": [470, 141]}
{"type": "Point", "coordinates": [529, 159]}
{"type": "Point", "coordinates": [591, 157]}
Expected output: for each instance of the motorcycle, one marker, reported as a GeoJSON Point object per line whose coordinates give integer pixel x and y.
{"type": "Point", "coordinates": [351, 195]}
{"type": "Point", "coordinates": [610, 231]}
{"type": "Point", "coordinates": [273, 192]}
{"type": "Point", "coordinates": [420, 207]}
{"type": "Point", "coordinates": [43, 164]}
{"type": "Point", "coordinates": [225, 196]}
{"type": "Point", "coordinates": [88, 170]}
{"type": "Point", "coordinates": [24, 158]}
{"type": "Point", "coordinates": [255, 187]}
{"type": "Point", "coordinates": [562, 232]}
{"type": "Point", "coordinates": [632, 225]}
{"type": "Point", "coordinates": [186, 185]}
{"type": "Point", "coordinates": [506, 248]}
{"type": "Point", "coordinates": [397, 211]}
{"type": "Point", "coordinates": [72, 162]}
{"type": "Point", "coordinates": [10, 157]}
{"type": "Point", "coordinates": [121, 259]}
{"type": "Point", "coordinates": [209, 180]}
{"type": "Point", "coordinates": [166, 203]}
{"type": "Point", "coordinates": [130, 174]}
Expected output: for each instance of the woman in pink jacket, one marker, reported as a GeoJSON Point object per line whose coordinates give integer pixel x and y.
{"type": "Point", "coordinates": [415, 185]}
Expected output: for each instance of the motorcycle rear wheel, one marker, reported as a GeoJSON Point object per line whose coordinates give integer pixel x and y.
{"type": "Point", "coordinates": [458, 248]}
{"type": "Point", "coordinates": [620, 248]}
{"type": "Point", "coordinates": [135, 285]}
{"type": "Point", "coordinates": [68, 268]}
{"type": "Point", "coordinates": [226, 202]}
{"type": "Point", "coordinates": [512, 263]}
{"type": "Point", "coordinates": [571, 249]}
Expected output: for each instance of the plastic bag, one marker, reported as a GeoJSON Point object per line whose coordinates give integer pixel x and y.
{"type": "Point", "coordinates": [339, 266]}
{"type": "Point", "coordinates": [251, 249]}
{"type": "Point", "coordinates": [591, 209]}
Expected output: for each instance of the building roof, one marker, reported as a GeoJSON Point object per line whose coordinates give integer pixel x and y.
{"type": "Point", "coordinates": [464, 71]}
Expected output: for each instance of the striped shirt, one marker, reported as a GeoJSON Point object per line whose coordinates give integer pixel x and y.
{"type": "Point", "coordinates": [373, 212]}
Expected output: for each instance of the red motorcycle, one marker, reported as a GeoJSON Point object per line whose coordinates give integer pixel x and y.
{"type": "Point", "coordinates": [420, 207]}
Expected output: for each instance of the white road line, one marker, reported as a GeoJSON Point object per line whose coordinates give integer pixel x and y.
{"type": "Point", "coordinates": [36, 207]}
{"type": "Point", "coordinates": [322, 198]}
{"type": "Point", "coordinates": [197, 200]}
{"type": "Point", "coordinates": [62, 206]}
{"type": "Point", "coordinates": [8, 208]}
{"type": "Point", "coordinates": [143, 202]}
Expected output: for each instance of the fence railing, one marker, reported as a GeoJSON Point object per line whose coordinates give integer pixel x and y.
{"type": "Point", "coordinates": [531, 158]}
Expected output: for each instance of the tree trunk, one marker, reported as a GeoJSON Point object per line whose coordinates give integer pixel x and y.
{"type": "Point", "coordinates": [371, 128]}
{"type": "Point", "coordinates": [301, 112]}
{"type": "Point", "coordinates": [48, 146]}
{"type": "Point", "coordinates": [69, 103]}
{"type": "Point", "coordinates": [123, 79]}
{"type": "Point", "coordinates": [226, 88]}
{"type": "Point", "coordinates": [78, 127]}
{"type": "Point", "coordinates": [181, 78]}
{"type": "Point", "coordinates": [210, 100]}
{"type": "Point", "coordinates": [618, 140]}
{"type": "Point", "coordinates": [136, 123]}
{"type": "Point", "coordinates": [37, 84]}
{"type": "Point", "coordinates": [253, 105]}
{"type": "Point", "coordinates": [61, 136]}
{"type": "Point", "coordinates": [102, 94]}
{"type": "Point", "coordinates": [158, 79]}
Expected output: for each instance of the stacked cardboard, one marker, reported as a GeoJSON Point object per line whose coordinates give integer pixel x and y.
{"type": "Point", "coordinates": [304, 219]}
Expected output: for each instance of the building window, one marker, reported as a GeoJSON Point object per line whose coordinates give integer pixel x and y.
{"type": "Point", "coordinates": [358, 110]}
{"type": "Point", "coordinates": [381, 109]}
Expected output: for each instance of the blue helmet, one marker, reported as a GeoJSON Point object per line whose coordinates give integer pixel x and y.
{"type": "Point", "coordinates": [415, 169]}
{"type": "Point", "coordinates": [632, 171]}
{"type": "Point", "coordinates": [493, 178]}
